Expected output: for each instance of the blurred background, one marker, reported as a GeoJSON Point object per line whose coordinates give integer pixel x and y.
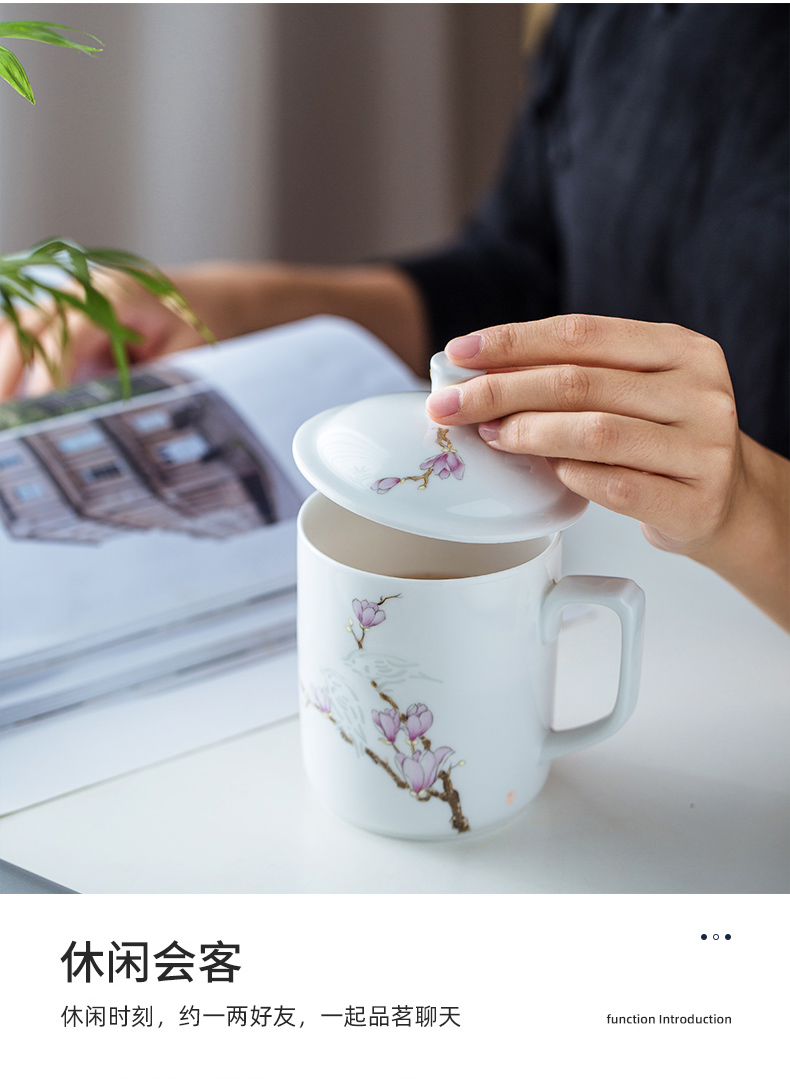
{"type": "Point", "coordinates": [317, 132]}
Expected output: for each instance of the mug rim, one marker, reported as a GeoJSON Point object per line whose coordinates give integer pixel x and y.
{"type": "Point", "coordinates": [553, 538]}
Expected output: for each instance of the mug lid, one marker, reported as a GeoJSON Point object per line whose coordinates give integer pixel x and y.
{"type": "Point", "coordinates": [384, 459]}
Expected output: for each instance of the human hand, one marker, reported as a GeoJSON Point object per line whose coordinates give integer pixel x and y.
{"type": "Point", "coordinates": [88, 353]}
{"type": "Point", "coordinates": [636, 416]}
{"type": "Point", "coordinates": [230, 298]}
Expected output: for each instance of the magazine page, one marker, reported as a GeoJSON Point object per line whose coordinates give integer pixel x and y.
{"type": "Point", "coordinates": [130, 527]}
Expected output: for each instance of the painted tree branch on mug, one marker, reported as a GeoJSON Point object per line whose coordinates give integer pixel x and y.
{"type": "Point", "coordinates": [421, 767]}
{"type": "Point", "coordinates": [416, 766]}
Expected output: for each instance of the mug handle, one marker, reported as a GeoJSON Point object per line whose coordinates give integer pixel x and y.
{"type": "Point", "coordinates": [627, 600]}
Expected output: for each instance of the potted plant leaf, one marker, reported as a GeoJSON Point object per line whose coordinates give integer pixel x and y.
{"type": "Point", "coordinates": [58, 276]}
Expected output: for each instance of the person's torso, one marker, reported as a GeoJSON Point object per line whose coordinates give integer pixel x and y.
{"type": "Point", "coordinates": [666, 132]}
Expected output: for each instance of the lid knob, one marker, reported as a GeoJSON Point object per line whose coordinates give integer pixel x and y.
{"type": "Point", "coordinates": [445, 374]}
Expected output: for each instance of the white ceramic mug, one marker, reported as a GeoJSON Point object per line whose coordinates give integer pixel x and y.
{"type": "Point", "coordinates": [427, 671]}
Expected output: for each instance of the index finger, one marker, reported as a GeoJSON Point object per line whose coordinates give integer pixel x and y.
{"type": "Point", "coordinates": [592, 340]}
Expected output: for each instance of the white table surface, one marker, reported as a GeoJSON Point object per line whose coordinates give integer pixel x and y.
{"type": "Point", "coordinates": [691, 796]}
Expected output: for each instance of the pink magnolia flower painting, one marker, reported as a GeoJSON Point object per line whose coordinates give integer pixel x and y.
{"type": "Point", "coordinates": [368, 614]}
{"type": "Point", "coordinates": [421, 769]}
{"type": "Point", "coordinates": [445, 464]}
{"type": "Point", "coordinates": [388, 722]}
{"type": "Point", "coordinates": [382, 486]}
{"type": "Point", "coordinates": [418, 721]}
{"type": "Point", "coordinates": [415, 767]}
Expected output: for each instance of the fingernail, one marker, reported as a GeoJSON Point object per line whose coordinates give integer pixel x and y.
{"type": "Point", "coordinates": [489, 432]}
{"type": "Point", "coordinates": [444, 402]}
{"type": "Point", "coordinates": [464, 348]}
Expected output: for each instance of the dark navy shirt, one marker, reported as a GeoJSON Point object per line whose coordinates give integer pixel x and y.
{"type": "Point", "coordinates": [647, 178]}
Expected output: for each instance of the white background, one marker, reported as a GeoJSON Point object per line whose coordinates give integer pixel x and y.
{"type": "Point", "coordinates": [534, 978]}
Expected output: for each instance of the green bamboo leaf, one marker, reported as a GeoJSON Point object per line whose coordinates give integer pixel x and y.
{"type": "Point", "coordinates": [14, 74]}
{"type": "Point", "coordinates": [28, 344]}
{"type": "Point", "coordinates": [49, 34]}
{"type": "Point", "coordinates": [119, 257]}
{"type": "Point", "coordinates": [26, 291]}
{"type": "Point", "coordinates": [121, 358]}
{"type": "Point", "coordinates": [97, 308]}
{"type": "Point", "coordinates": [20, 282]}
{"type": "Point", "coordinates": [31, 256]}
{"type": "Point", "coordinates": [102, 313]}
{"type": "Point", "coordinates": [141, 270]}
{"type": "Point", "coordinates": [62, 254]}
{"type": "Point", "coordinates": [20, 287]}
{"type": "Point", "coordinates": [61, 316]}
{"type": "Point", "coordinates": [75, 262]}
{"type": "Point", "coordinates": [153, 280]}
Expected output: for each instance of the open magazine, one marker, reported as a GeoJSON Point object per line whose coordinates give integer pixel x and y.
{"type": "Point", "coordinates": [149, 540]}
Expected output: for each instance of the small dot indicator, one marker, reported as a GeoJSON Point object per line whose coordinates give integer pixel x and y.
{"type": "Point", "coordinates": [727, 936]}
{"type": "Point", "coordinates": [704, 936]}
